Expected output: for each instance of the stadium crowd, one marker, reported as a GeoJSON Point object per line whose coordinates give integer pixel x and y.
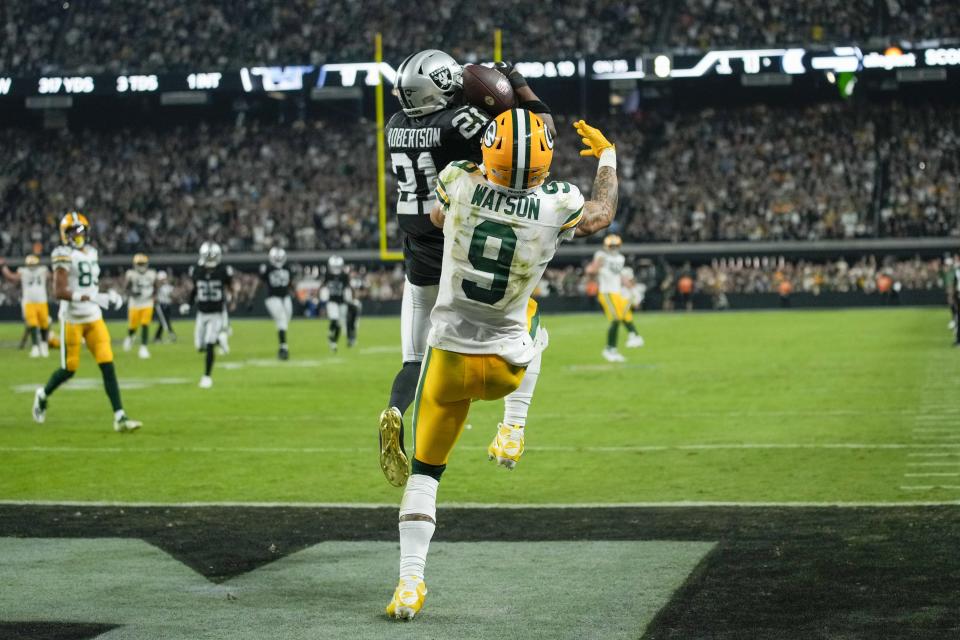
{"type": "Point", "coordinates": [92, 36]}
{"type": "Point", "coordinates": [749, 173]}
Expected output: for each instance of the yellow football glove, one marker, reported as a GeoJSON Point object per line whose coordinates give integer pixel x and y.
{"type": "Point", "coordinates": [592, 138]}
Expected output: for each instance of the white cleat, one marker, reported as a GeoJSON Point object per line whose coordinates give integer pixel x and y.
{"type": "Point", "coordinates": [127, 343]}
{"type": "Point", "coordinates": [39, 406]}
{"type": "Point", "coordinates": [44, 350]}
{"type": "Point", "coordinates": [123, 424]}
{"type": "Point", "coordinates": [143, 352]}
{"type": "Point", "coordinates": [634, 340]}
{"type": "Point", "coordinates": [34, 351]}
{"type": "Point", "coordinates": [206, 382]}
{"type": "Point", "coordinates": [612, 355]}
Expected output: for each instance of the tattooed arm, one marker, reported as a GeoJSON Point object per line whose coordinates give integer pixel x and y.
{"type": "Point", "coordinates": [599, 211]}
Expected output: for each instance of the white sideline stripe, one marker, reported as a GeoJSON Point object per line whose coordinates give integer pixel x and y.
{"type": "Point", "coordinates": [935, 430]}
{"type": "Point", "coordinates": [624, 449]}
{"type": "Point", "coordinates": [931, 475]}
{"type": "Point", "coordinates": [499, 505]}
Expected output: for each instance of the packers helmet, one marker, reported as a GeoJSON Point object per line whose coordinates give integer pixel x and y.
{"type": "Point", "coordinates": [612, 242]}
{"type": "Point", "coordinates": [140, 262]}
{"type": "Point", "coordinates": [73, 229]}
{"type": "Point", "coordinates": [517, 150]}
{"type": "Point", "coordinates": [31, 260]}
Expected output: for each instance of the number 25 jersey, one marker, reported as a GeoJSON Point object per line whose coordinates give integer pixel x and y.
{"type": "Point", "coordinates": [496, 247]}
{"type": "Point", "coordinates": [210, 287]}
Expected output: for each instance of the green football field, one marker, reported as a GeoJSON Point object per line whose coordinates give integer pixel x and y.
{"type": "Point", "coordinates": [760, 407]}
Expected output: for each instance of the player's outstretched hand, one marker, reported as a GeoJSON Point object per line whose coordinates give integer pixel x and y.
{"type": "Point", "coordinates": [115, 299]}
{"type": "Point", "coordinates": [515, 77]}
{"type": "Point", "coordinates": [594, 141]}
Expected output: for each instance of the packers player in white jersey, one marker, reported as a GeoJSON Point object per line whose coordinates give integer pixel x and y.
{"type": "Point", "coordinates": [32, 278]}
{"type": "Point", "coordinates": [140, 283]}
{"type": "Point", "coordinates": [608, 265]}
{"type": "Point", "coordinates": [76, 279]}
{"type": "Point", "coordinates": [502, 224]}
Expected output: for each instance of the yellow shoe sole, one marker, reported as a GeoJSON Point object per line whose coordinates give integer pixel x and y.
{"type": "Point", "coordinates": [393, 461]}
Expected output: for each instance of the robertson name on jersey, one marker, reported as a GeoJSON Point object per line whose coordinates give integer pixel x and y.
{"type": "Point", "coordinates": [83, 269]}
{"type": "Point", "coordinates": [210, 287]}
{"type": "Point", "coordinates": [419, 147]}
{"type": "Point", "coordinates": [498, 244]}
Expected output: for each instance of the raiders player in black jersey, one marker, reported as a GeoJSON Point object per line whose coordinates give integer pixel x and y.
{"type": "Point", "coordinates": [354, 307]}
{"type": "Point", "coordinates": [278, 280]}
{"type": "Point", "coordinates": [337, 294]}
{"type": "Point", "coordinates": [434, 127]}
{"type": "Point", "coordinates": [212, 284]}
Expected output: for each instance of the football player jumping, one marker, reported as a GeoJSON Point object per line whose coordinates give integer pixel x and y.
{"type": "Point", "coordinates": [433, 129]}
{"type": "Point", "coordinates": [212, 283]}
{"type": "Point", "coordinates": [278, 279]}
{"type": "Point", "coordinates": [32, 278]}
{"type": "Point", "coordinates": [502, 225]}
{"type": "Point", "coordinates": [140, 283]}
{"type": "Point", "coordinates": [76, 284]}
{"type": "Point", "coordinates": [608, 266]}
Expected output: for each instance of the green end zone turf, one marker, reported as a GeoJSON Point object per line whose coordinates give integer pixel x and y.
{"type": "Point", "coordinates": [478, 590]}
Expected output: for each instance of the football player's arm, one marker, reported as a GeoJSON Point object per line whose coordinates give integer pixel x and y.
{"type": "Point", "coordinates": [594, 267]}
{"type": "Point", "coordinates": [526, 98]}
{"type": "Point", "coordinates": [600, 210]}
{"type": "Point", "coordinates": [61, 287]}
{"type": "Point", "coordinates": [438, 215]}
{"type": "Point", "coordinates": [11, 276]}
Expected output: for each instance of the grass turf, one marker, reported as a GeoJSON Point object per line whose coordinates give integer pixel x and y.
{"type": "Point", "coordinates": [678, 422]}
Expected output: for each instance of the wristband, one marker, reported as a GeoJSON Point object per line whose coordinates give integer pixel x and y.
{"type": "Point", "coordinates": [535, 106]}
{"type": "Point", "coordinates": [76, 296]}
{"type": "Point", "coordinates": [608, 158]}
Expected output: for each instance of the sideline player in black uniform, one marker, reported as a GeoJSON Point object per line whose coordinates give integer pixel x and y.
{"type": "Point", "coordinates": [278, 280]}
{"type": "Point", "coordinates": [434, 127]}
{"type": "Point", "coordinates": [336, 293]}
{"type": "Point", "coordinates": [212, 282]}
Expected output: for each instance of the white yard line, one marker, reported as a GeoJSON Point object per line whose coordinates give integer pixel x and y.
{"type": "Point", "coordinates": [939, 454]}
{"type": "Point", "coordinates": [953, 463]}
{"type": "Point", "coordinates": [929, 487]}
{"type": "Point", "coordinates": [485, 505]}
{"type": "Point", "coordinates": [937, 474]}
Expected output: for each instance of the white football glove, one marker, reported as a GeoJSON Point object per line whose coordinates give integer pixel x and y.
{"type": "Point", "coordinates": [184, 309]}
{"type": "Point", "coordinates": [109, 300]}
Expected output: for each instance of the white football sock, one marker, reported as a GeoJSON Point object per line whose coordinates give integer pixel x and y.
{"type": "Point", "coordinates": [517, 404]}
{"type": "Point", "coordinates": [419, 498]}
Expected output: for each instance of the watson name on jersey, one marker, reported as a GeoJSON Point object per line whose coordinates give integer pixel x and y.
{"type": "Point", "coordinates": [501, 243]}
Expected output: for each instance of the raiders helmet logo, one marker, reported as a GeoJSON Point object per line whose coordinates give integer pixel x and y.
{"type": "Point", "coordinates": [442, 78]}
{"type": "Point", "coordinates": [490, 135]}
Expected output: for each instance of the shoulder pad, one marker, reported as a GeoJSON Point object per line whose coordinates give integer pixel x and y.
{"type": "Point", "coordinates": [61, 254]}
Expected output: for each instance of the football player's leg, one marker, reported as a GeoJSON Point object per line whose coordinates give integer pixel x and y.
{"type": "Point", "coordinates": [415, 309]}
{"type": "Point", "coordinates": [98, 343]}
{"type": "Point", "coordinates": [352, 315]}
{"type": "Point", "coordinates": [634, 339]}
{"type": "Point", "coordinates": [146, 318]}
{"type": "Point", "coordinates": [131, 328]}
{"type": "Point", "coordinates": [440, 412]}
{"type": "Point", "coordinates": [333, 332]}
{"type": "Point", "coordinates": [71, 336]}
{"type": "Point", "coordinates": [30, 320]}
{"type": "Point", "coordinates": [43, 321]}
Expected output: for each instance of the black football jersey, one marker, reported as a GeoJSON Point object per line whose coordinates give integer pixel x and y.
{"type": "Point", "coordinates": [277, 279]}
{"type": "Point", "coordinates": [419, 149]}
{"type": "Point", "coordinates": [337, 285]}
{"type": "Point", "coordinates": [210, 287]}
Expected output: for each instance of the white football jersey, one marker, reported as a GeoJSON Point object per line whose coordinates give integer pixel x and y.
{"type": "Point", "coordinates": [141, 286]}
{"type": "Point", "coordinates": [496, 247]}
{"type": "Point", "coordinates": [83, 267]}
{"type": "Point", "coordinates": [33, 283]}
{"type": "Point", "coordinates": [611, 271]}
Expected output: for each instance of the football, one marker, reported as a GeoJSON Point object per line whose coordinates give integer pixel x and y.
{"type": "Point", "coordinates": [487, 89]}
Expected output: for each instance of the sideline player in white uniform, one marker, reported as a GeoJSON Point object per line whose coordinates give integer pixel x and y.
{"type": "Point", "coordinates": [76, 278]}
{"type": "Point", "coordinates": [608, 266]}
{"type": "Point", "coordinates": [212, 282]}
{"type": "Point", "coordinates": [433, 129]}
{"type": "Point", "coordinates": [140, 283]}
{"type": "Point", "coordinates": [502, 225]}
{"type": "Point", "coordinates": [32, 277]}
{"type": "Point", "coordinates": [276, 275]}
